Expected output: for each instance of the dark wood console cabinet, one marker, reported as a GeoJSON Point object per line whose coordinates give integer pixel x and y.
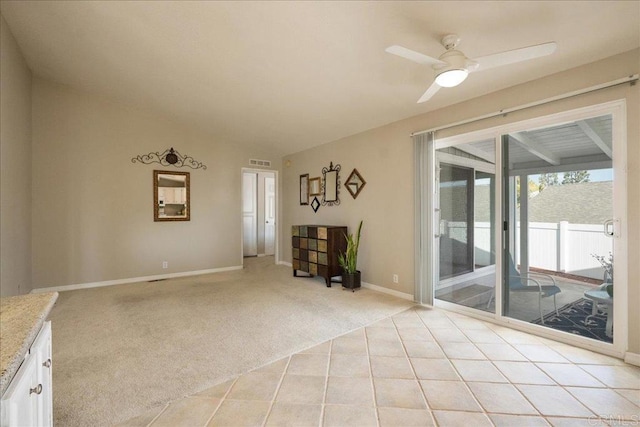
{"type": "Point", "coordinates": [316, 249]}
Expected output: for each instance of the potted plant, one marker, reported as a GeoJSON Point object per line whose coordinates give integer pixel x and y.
{"type": "Point", "coordinates": [349, 260]}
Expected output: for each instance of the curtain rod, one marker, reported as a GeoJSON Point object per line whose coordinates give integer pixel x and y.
{"type": "Point", "coordinates": [632, 78]}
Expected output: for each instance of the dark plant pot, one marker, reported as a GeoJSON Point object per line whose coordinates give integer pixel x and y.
{"type": "Point", "coordinates": [351, 280]}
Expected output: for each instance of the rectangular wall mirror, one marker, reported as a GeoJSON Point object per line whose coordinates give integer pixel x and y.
{"type": "Point", "coordinates": [171, 196]}
{"type": "Point", "coordinates": [331, 186]}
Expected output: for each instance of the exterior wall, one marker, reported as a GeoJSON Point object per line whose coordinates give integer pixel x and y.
{"type": "Point", "coordinates": [15, 175]}
{"type": "Point", "coordinates": [93, 207]}
{"type": "Point", "coordinates": [384, 157]}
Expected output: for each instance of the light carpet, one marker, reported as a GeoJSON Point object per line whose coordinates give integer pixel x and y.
{"type": "Point", "coordinates": [121, 350]}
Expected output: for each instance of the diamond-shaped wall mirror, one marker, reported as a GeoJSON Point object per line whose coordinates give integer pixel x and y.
{"type": "Point", "coordinates": [355, 183]}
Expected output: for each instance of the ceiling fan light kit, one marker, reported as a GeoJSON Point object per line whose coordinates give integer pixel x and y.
{"type": "Point", "coordinates": [451, 78]}
{"type": "Point", "coordinates": [453, 67]}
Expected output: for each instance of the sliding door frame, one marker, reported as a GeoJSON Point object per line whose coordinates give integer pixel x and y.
{"type": "Point", "coordinates": [617, 109]}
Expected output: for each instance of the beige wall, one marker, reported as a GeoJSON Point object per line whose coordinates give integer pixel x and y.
{"type": "Point", "coordinates": [384, 157]}
{"type": "Point", "coordinates": [15, 167]}
{"type": "Point", "coordinates": [93, 207]}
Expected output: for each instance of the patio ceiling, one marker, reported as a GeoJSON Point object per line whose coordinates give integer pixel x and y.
{"type": "Point", "coordinates": [580, 145]}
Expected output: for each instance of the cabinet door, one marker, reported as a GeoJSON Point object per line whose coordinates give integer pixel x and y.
{"type": "Point", "coordinates": [41, 348]}
{"type": "Point", "coordinates": [21, 401]}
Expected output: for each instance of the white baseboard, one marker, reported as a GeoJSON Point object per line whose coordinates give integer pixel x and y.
{"type": "Point", "coordinates": [387, 291]}
{"type": "Point", "coordinates": [288, 264]}
{"type": "Point", "coordinates": [133, 280]}
{"type": "Point", "coordinates": [632, 358]}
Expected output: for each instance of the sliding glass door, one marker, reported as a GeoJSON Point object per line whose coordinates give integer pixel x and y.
{"type": "Point", "coordinates": [465, 188]}
{"type": "Point", "coordinates": [538, 201]}
{"type": "Point", "coordinates": [557, 208]}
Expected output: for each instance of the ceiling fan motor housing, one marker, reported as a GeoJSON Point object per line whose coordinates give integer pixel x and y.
{"type": "Point", "coordinates": [455, 60]}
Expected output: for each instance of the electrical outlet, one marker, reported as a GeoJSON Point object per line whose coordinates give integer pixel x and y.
{"type": "Point", "coordinates": [165, 264]}
{"type": "Point", "coordinates": [395, 278]}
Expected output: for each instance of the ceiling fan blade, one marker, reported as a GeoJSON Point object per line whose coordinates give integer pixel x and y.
{"type": "Point", "coordinates": [513, 56]}
{"type": "Point", "coordinates": [412, 55]}
{"type": "Point", "coordinates": [429, 93]}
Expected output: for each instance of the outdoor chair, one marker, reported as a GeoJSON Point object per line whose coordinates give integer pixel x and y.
{"type": "Point", "coordinates": [532, 282]}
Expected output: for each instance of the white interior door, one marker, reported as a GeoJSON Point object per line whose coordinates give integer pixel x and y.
{"type": "Point", "coordinates": [270, 216]}
{"type": "Point", "coordinates": [250, 213]}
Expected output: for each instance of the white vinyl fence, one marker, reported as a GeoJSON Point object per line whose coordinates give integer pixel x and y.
{"type": "Point", "coordinates": [561, 247]}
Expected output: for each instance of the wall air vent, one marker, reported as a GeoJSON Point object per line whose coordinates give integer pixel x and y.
{"type": "Point", "coordinates": [256, 162]}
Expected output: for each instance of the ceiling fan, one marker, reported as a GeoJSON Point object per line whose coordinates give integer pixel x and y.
{"type": "Point", "coordinates": [453, 67]}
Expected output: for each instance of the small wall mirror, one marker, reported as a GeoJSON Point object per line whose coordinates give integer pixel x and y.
{"type": "Point", "coordinates": [171, 196]}
{"type": "Point", "coordinates": [314, 187]}
{"type": "Point", "coordinates": [331, 185]}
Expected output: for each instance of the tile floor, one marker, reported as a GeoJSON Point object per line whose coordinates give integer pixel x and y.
{"type": "Point", "coordinates": [421, 367]}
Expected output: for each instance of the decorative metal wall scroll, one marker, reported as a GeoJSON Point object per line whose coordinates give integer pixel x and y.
{"type": "Point", "coordinates": [167, 158]}
{"type": "Point", "coordinates": [355, 183]}
{"type": "Point", "coordinates": [331, 185]}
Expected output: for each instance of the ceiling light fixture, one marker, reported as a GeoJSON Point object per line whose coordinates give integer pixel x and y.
{"type": "Point", "coordinates": [451, 78]}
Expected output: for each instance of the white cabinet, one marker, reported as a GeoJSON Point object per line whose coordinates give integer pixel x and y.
{"type": "Point", "coordinates": [28, 401]}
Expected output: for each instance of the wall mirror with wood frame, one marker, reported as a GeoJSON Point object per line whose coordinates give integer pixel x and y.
{"type": "Point", "coordinates": [171, 196]}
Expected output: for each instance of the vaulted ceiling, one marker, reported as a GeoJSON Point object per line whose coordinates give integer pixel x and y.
{"type": "Point", "coordinates": [292, 75]}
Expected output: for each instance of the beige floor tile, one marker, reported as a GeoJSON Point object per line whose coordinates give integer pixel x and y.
{"type": "Point", "coordinates": [385, 347]}
{"type": "Point", "coordinates": [394, 417]}
{"type": "Point", "coordinates": [467, 323]}
{"type": "Point", "coordinates": [415, 334]}
{"type": "Point", "coordinates": [449, 335]}
{"type": "Point", "coordinates": [606, 403]}
{"type": "Point", "coordinates": [483, 336]}
{"type": "Point", "coordinates": [356, 333]}
{"type": "Point", "coordinates": [323, 348]}
{"type": "Point", "coordinates": [349, 415]}
{"type": "Point", "coordinates": [501, 398]}
{"type": "Point", "coordinates": [615, 376]}
{"type": "Point", "coordinates": [240, 413]}
{"type": "Point", "coordinates": [438, 322]}
{"type": "Point", "coordinates": [142, 420]}
{"type": "Point", "coordinates": [554, 401]}
{"type": "Point", "coordinates": [218, 391]}
{"type": "Point", "coordinates": [478, 370]}
{"type": "Point", "coordinates": [461, 350]}
{"type": "Point", "coordinates": [569, 375]}
{"type": "Point", "coordinates": [308, 364]}
{"type": "Point", "coordinates": [404, 323]}
{"type": "Point", "coordinates": [349, 391]}
{"type": "Point", "coordinates": [391, 367]}
{"type": "Point", "coordinates": [348, 365]}
{"type": "Point", "coordinates": [389, 334]}
{"type": "Point", "coordinates": [276, 367]}
{"type": "Point", "coordinates": [342, 345]}
{"type": "Point", "coordinates": [434, 369]}
{"type": "Point", "coordinates": [540, 353]}
{"type": "Point", "coordinates": [429, 350]}
{"type": "Point", "coordinates": [581, 355]}
{"type": "Point", "coordinates": [500, 352]}
{"type": "Point", "coordinates": [255, 386]}
{"type": "Point", "coordinates": [188, 412]}
{"type": "Point", "coordinates": [397, 393]}
{"type": "Point", "coordinates": [304, 389]}
{"type": "Point", "coordinates": [523, 373]}
{"type": "Point", "coordinates": [449, 395]}
{"type": "Point", "coordinates": [291, 414]}
{"type": "Point", "coordinates": [631, 395]}
{"type": "Point", "coordinates": [517, 420]}
{"type": "Point", "coordinates": [576, 422]}
{"type": "Point", "coordinates": [384, 323]}
{"type": "Point", "coordinates": [512, 336]}
{"type": "Point", "coordinates": [461, 419]}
